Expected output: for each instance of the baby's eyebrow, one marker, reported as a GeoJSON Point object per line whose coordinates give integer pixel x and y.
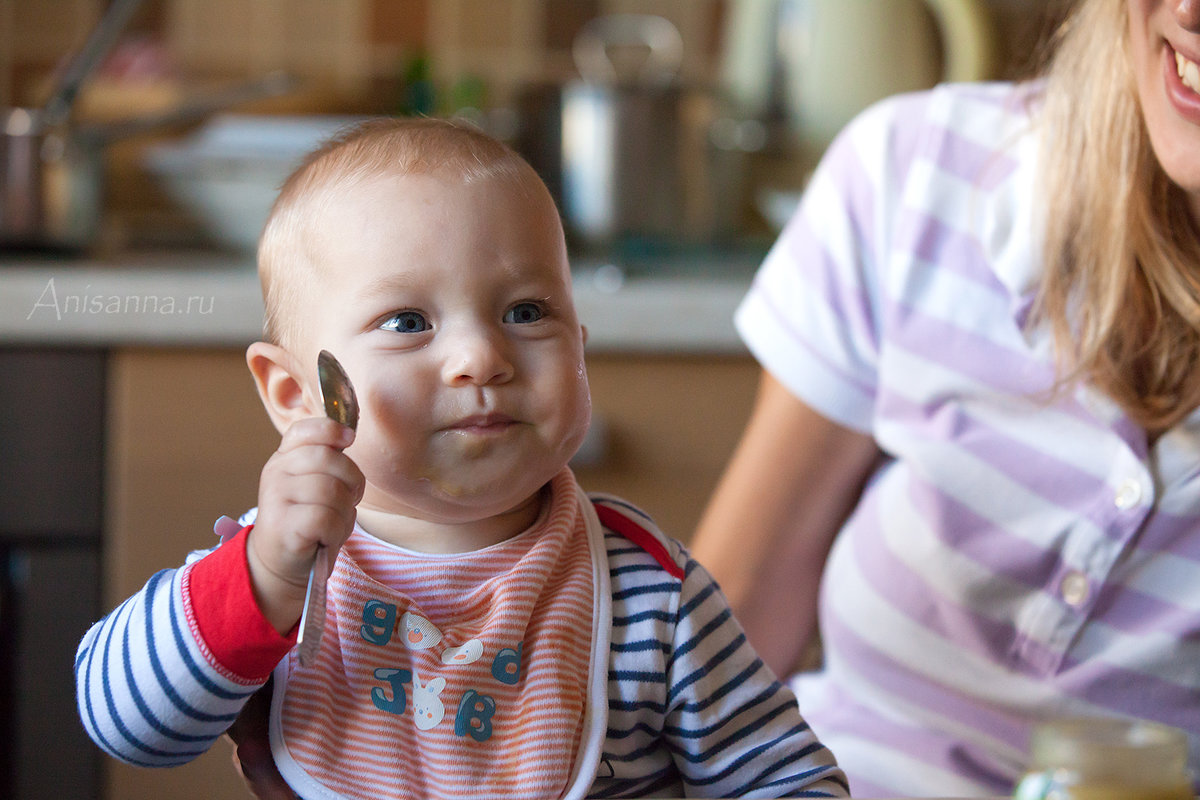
{"type": "Point", "coordinates": [389, 284]}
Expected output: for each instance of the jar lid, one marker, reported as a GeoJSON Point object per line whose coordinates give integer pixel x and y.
{"type": "Point", "coordinates": [1107, 747]}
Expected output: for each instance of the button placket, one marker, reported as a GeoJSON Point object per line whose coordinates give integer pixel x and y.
{"type": "Point", "coordinates": [1077, 585]}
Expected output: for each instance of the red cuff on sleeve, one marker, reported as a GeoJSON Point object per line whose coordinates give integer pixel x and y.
{"type": "Point", "coordinates": [223, 609]}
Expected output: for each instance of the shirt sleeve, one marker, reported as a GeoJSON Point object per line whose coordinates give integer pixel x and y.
{"type": "Point", "coordinates": [814, 316]}
{"type": "Point", "coordinates": [220, 600]}
{"type": "Point", "coordinates": [733, 728]}
{"type": "Point", "coordinates": [150, 690]}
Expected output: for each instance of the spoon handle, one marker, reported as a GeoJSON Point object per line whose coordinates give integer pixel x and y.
{"type": "Point", "coordinates": [341, 406]}
{"type": "Point", "coordinates": [312, 619]}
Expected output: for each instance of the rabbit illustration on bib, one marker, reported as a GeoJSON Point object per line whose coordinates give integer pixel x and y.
{"type": "Point", "coordinates": [427, 706]}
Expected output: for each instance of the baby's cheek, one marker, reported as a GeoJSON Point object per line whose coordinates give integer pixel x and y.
{"type": "Point", "coordinates": [382, 450]}
{"type": "Point", "coordinates": [585, 397]}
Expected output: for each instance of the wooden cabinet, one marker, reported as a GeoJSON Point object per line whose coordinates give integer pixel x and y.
{"type": "Point", "coordinates": [187, 437]}
{"type": "Point", "coordinates": [671, 423]}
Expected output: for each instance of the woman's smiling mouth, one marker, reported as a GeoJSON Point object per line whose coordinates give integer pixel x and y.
{"type": "Point", "coordinates": [1189, 72]}
{"type": "Point", "coordinates": [1182, 76]}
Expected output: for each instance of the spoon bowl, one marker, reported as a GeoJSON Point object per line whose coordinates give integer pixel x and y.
{"type": "Point", "coordinates": [337, 393]}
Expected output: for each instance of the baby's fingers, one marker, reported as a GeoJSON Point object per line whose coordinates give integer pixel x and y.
{"type": "Point", "coordinates": [309, 495]}
{"type": "Point", "coordinates": [316, 431]}
{"type": "Point", "coordinates": [286, 466]}
{"type": "Point", "coordinates": [320, 509]}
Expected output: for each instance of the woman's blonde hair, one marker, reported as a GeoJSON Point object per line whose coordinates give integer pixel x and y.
{"type": "Point", "coordinates": [1122, 282]}
{"type": "Point", "coordinates": [289, 250]}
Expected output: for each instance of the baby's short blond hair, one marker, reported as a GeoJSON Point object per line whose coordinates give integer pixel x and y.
{"type": "Point", "coordinates": [288, 256]}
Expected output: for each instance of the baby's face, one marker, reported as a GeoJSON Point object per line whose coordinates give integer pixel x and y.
{"type": "Point", "coordinates": [450, 307]}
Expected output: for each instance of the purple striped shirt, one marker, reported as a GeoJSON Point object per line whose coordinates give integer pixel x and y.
{"type": "Point", "coordinates": [1019, 556]}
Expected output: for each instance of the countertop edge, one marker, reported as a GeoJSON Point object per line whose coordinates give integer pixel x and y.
{"type": "Point", "coordinates": [216, 305]}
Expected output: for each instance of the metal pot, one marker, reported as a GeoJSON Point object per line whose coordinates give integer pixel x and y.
{"type": "Point", "coordinates": [52, 174]}
{"type": "Point", "coordinates": [50, 177]}
{"type": "Point", "coordinates": [49, 184]}
{"type": "Point", "coordinates": [51, 170]}
{"type": "Point", "coordinates": [629, 151]}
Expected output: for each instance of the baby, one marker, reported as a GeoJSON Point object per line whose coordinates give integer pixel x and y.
{"type": "Point", "coordinates": [491, 630]}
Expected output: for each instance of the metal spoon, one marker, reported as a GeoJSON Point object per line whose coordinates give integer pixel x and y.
{"type": "Point", "coordinates": [336, 391]}
{"type": "Point", "coordinates": [341, 405]}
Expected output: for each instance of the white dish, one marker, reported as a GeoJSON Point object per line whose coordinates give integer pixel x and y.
{"type": "Point", "coordinates": [229, 171]}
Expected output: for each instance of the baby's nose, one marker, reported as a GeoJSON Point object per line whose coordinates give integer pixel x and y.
{"type": "Point", "coordinates": [478, 356]}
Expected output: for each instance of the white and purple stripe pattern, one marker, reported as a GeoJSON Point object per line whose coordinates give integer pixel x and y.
{"type": "Point", "coordinates": [1019, 555]}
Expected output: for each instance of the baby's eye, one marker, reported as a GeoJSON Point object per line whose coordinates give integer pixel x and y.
{"type": "Point", "coordinates": [406, 322]}
{"type": "Point", "coordinates": [523, 313]}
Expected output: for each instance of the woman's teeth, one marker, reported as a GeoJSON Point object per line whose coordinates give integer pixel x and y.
{"type": "Point", "coordinates": [1189, 72]}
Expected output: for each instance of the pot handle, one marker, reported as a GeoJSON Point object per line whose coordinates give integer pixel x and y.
{"type": "Point", "coordinates": [598, 35]}
{"type": "Point", "coordinates": [966, 30]}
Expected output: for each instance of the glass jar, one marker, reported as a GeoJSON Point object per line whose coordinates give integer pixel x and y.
{"type": "Point", "coordinates": [1106, 759]}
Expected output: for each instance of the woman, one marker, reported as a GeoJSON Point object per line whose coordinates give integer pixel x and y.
{"type": "Point", "coordinates": [977, 425]}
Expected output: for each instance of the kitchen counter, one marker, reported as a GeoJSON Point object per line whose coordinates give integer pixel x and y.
{"type": "Point", "coordinates": [206, 299]}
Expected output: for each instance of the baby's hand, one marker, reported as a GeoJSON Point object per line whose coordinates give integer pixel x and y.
{"type": "Point", "coordinates": [306, 498]}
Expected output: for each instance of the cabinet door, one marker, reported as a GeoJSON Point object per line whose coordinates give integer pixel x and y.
{"type": "Point", "coordinates": [187, 438]}
{"type": "Point", "coordinates": [667, 425]}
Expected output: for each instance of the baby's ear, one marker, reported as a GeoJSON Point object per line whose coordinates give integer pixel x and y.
{"type": "Point", "coordinates": [281, 384]}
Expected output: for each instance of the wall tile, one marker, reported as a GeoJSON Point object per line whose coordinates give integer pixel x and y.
{"type": "Point", "coordinates": [484, 26]}
{"type": "Point", "coordinates": [51, 29]}
{"type": "Point", "coordinates": [562, 20]}
{"type": "Point", "coordinates": [35, 39]}
{"type": "Point", "coordinates": [327, 40]}
{"type": "Point", "coordinates": [223, 36]}
{"type": "Point", "coordinates": [403, 23]}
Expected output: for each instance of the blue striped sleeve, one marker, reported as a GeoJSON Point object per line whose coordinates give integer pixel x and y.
{"type": "Point", "coordinates": [144, 690]}
{"type": "Point", "coordinates": [732, 728]}
{"type": "Point", "coordinates": [692, 709]}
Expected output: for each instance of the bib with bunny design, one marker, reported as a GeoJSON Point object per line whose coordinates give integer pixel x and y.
{"type": "Point", "coordinates": [477, 675]}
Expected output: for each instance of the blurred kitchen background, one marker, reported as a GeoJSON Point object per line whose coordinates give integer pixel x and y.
{"type": "Point", "coordinates": [747, 77]}
{"type": "Point", "coordinates": [676, 142]}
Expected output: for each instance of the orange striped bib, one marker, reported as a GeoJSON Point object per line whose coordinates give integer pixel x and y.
{"type": "Point", "coordinates": [475, 675]}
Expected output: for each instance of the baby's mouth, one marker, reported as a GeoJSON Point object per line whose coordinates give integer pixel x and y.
{"type": "Point", "coordinates": [1189, 72]}
{"type": "Point", "coordinates": [482, 424]}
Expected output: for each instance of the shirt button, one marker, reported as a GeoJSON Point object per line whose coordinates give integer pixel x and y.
{"type": "Point", "coordinates": [1129, 493]}
{"type": "Point", "coordinates": [1074, 588]}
